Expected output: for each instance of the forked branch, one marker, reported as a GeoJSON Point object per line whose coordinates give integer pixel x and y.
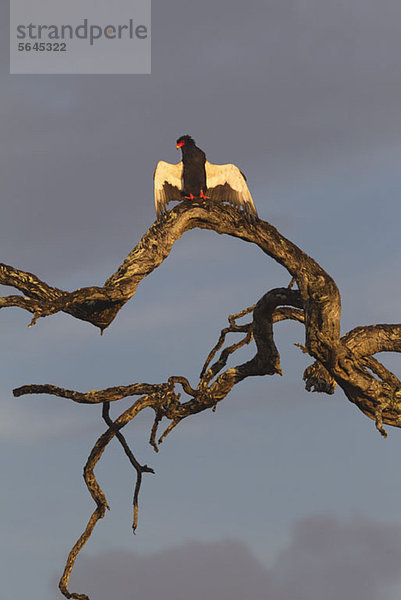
{"type": "Point", "coordinates": [347, 361]}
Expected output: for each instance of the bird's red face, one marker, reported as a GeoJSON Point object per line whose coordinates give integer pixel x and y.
{"type": "Point", "coordinates": [180, 144]}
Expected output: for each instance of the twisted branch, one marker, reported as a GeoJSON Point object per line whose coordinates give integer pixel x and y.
{"type": "Point", "coordinates": [347, 362]}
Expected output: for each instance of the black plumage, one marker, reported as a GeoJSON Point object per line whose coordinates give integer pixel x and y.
{"type": "Point", "coordinates": [195, 177]}
{"type": "Point", "coordinates": [193, 172]}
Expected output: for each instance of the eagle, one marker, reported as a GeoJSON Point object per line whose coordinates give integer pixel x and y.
{"type": "Point", "coordinates": [196, 178]}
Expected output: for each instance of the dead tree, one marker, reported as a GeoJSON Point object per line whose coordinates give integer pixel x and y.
{"type": "Point", "coordinates": [346, 361]}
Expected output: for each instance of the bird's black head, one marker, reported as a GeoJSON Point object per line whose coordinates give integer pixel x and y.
{"type": "Point", "coordinates": [185, 140]}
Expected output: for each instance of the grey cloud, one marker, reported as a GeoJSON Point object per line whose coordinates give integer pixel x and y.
{"type": "Point", "coordinates": [276, 87]}
{"type": "Point", "coordinates": [328, 558]}
{"type": "Point", "coordinates": [224, 570]}
{"type": "Point", "coordinates": [304, 96]}
{"type": "Point", "coordinates": [325, 558]}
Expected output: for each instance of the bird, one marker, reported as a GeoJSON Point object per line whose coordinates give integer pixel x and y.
{"type": "Point", "coordinates": [196, 178]}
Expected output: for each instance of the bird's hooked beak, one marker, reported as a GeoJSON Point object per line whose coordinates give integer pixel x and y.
{"type": "Point", "coordinates": [180, 144]}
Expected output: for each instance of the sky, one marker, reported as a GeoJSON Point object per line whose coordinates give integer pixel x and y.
{"type": "Point", "coordinates": [281, 494]}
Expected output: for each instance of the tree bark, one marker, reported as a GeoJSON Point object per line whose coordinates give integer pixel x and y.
{"type": "Point", "coordinates": [346, 361]}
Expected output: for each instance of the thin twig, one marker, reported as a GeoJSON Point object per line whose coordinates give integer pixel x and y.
{"type": "Point", "coordinates": [137, 466]}
{"type": "Point", "coordinates": [96, 491]}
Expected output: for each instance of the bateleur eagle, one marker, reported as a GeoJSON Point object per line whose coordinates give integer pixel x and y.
{"type": "Point", "coordinates": [195, 177]}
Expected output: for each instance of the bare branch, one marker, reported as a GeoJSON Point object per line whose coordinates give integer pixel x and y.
{"type": "Point", "coordinates": [137, 466]}
{"type": "Point", "coordinates": [96, 491]}
{"type": "Point", "coordinates": [347, 362]}
{"type": "Point", "coordinates": [100, 305]}
{"type": "Point", "coordinates": [95, 396]}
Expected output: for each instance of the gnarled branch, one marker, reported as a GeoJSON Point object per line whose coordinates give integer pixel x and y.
{"type": "Point", "coordinates": [346, 361]}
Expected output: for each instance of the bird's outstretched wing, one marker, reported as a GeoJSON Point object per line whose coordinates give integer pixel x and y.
{"type": "Point", "coordinates": [168, 185]}
{"type": "Point", "coordinates": [226, 183]}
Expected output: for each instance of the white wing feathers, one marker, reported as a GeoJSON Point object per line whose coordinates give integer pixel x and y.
{"type": "Point", "coordinates": [166, 175]}
{"type": "Point", "coordinates": [219, 180]}
{"type": "Point", "coordinates": [225, 183]}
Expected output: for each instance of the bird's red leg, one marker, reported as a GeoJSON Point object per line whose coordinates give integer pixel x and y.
{"type": "Point", "coordinates": [190, 197]}
{"type": "Point", "coordinates": [202, 195]}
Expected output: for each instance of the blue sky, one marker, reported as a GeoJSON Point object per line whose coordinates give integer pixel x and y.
{"type": "Point", "coordinates": [285, 490]}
